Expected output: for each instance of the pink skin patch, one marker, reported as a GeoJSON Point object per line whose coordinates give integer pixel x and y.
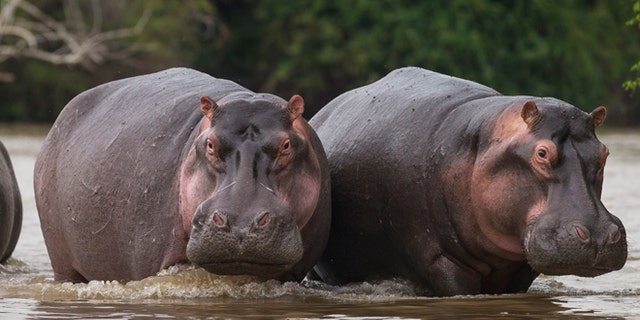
{"type": "Point", "coordinates": [302, 195]}
{"type": "Point", "coordinates": [302, 191]}
{"type": "Point", "coordinates": [502, 202]}
{"type": "Point", "coordinates": [192, 186]}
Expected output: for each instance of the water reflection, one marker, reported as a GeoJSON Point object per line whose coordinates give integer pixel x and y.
{"type": "Point", "coordinates": [603, 306]}
{"type": "Point", "coordinates": [313, 307]}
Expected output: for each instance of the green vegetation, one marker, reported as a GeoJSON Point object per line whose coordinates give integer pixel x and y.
{"type": "Point", "coordinates": [632, 85]}
{"type": "Point", "coordinates": [578, 51]}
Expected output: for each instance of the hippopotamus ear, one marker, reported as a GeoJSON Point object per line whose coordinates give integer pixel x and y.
{"type": "Point", "coordinates": [208, 107]}
{"type": "Point", "coordinates": [598, 115]}
{"type": "Point", "coordinates": [295, 107]}
{"type": "Point", "coordinates": [530, 113]}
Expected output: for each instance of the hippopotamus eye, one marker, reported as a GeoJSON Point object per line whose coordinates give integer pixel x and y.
{"type": "Point", "coordinates": [284, 156]}
{"type": "Point", "coordinates": [286, 147]}
{"type": "Point", "coordinates": [544, 158]}
{"type": "Point", "coordinates": [209, 146]}
{"type": "Point", "coordinates": [545, 152]}
{"type": "Point", "coordinates": [542, 153]}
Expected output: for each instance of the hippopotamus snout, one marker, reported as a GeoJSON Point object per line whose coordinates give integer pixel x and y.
{"type": "Point", "coordinates": [578, 247]}
{"type": "Point", "coordinates": [239, 238]}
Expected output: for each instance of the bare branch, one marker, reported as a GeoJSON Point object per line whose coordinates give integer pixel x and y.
{"type": "Point", "coordinates": [6, 15]}
{"type": "Point", "coordinates": [38, 35]}
{"type": "Point", "coordinates": [23, 33]}
{"type": "Point", "coordinates": [59, 28]}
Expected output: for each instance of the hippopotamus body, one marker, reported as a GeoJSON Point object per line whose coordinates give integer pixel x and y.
{"type": "Point", "coordinates": [173, 167]}
{"type": "Point", "coordinates": [10, 207]}
{"type": "Point", "coordinates": [462, 190]}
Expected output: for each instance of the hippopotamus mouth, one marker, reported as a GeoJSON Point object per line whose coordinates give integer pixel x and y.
{"type": "Point", "coordinates": [565, 252]}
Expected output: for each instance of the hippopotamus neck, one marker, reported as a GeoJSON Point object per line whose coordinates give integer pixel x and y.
{"type": "Point", "coordinates": [486, 143]}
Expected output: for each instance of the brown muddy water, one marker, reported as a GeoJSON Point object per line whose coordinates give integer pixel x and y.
{"type": "Point", "coordinates": [27, 289]}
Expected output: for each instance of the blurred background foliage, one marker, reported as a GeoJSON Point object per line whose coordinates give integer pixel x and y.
{"type": "Point", "coordinates": [580, 51]}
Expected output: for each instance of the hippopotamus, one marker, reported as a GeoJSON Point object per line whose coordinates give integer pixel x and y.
{"type": "Point", "coordinates": [10, 206]}
{"type": "Point", "coordinates": [181, 168]}
{"type": "Point", "coordinates": [462, 190]}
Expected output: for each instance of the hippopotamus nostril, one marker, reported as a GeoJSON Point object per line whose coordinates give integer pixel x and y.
{"type": "Point", "coordinates": [263, 219]}
{"type": "Point", "coordinates": [582, 233]}
{"type": "Point", "coordinates": [614, 234]}
{"type": "Point", "coordinates": [219, 219]}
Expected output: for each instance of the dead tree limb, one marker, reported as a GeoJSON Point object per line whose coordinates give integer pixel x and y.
{"type": "Point", "coordinates": [27, 31]}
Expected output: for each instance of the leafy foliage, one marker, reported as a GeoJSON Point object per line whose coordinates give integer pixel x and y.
{"type": "Point", "coordinates": [575, 50]}
{"type": "Point", "coordinates": [322, 48]}
{"type": "Point", "coordinates": [41, 90]}
{"type": "Point", "coordinates": [632, 85]}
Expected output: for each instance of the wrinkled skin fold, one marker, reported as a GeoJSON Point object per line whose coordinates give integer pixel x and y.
{"type": "Point", "coordinates": [462, 190]}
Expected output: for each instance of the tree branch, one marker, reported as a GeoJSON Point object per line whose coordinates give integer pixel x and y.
{"type": "Point", "coordinates": [38, 35]}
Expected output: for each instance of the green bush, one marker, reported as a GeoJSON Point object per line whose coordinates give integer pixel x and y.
{"type": "Point", "coordinates": [575, 50]}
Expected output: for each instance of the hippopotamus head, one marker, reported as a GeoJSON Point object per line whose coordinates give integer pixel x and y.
{"type": "Point", "coordinates": [249, 185]}
{"type": "Point", "coordinates": [571, 232]}
{"type": "Point", "coordinates": [547, 164]}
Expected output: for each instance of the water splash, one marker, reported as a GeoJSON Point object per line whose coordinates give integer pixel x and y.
{"type": "Point", "coordinates": [192, 283]}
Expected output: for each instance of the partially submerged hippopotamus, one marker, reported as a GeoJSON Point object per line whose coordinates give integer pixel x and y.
{"type": "Point", "coordinates": [10, 207]}
{"type": "Point", "coordinates": [462, 190]}
{"type": "Point", "coordinates": [143, 173]}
